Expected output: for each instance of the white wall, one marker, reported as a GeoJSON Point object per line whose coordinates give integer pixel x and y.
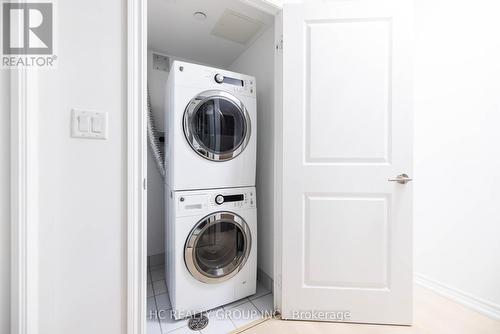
{"type": "Point", "coordinates": [82, 218]}
{"type": "Point", "coordinates": [4, 201]}
{"type": "Point", "coordinates": [156, 212]}
{"type": "Point", "coordinates": [258, 61]}
{"type": "Point", "coordinates": [457, 146]}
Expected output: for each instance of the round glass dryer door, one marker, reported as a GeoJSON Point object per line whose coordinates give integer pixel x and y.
{"type": "Point", "coordinates": [217, 125]}
{"type": "Point", "coordinates": [217, 247]}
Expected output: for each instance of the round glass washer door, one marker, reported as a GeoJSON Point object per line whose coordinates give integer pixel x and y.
{"type": "Point", "coordinates": [217, 247]}
{"type": "Point", "coordinates": [216, 125]}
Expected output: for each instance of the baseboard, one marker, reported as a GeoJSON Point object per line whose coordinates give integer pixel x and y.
{"type": "Point", "coordinates": [265, 279]}
{"type": "Point", "coordinates": [480, 305]}
{"type": "Point", "coordinates": [156, 259]}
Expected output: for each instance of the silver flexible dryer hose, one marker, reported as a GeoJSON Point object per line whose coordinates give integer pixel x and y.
{"type": "Point", "coordinates": [154, 141]}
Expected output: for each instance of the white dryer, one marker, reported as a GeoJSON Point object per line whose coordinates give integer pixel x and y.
{"type": "Point", "coordinates": [211, 248]}
{"type": "Point", "coordinates": [211, 127]}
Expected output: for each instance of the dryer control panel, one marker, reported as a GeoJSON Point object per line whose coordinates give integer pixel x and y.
{"type": "Point", "coordinates": [206, 78]}
{"type": "Point", "coordinates": [239, 85]}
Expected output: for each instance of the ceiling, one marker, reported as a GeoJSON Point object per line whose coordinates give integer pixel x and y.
{"type": "Point", "coordinates": [173, 30]}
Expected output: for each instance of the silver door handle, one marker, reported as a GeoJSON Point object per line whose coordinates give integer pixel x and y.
{"type": "Point", "coordinates": [402, 179]}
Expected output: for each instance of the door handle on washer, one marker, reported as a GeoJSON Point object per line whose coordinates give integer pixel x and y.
{"type": "Point", "coordinates": [402, 179]}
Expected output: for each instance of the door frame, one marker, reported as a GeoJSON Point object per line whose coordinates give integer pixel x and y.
{"type": "Point", "coordinates": [23, 201]}
{"type": "Point", "coordinates": [24, 286]}
{"type": "Point", "coordinates": [136, 166]}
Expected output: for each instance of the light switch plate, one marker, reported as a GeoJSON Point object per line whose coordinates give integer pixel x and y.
{"type": "Point", "coordinates": [89, 124]}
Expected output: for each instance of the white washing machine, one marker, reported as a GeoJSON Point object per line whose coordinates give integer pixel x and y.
{"type": "Point", "coordinates": [211, 127]}
{"type": "Point", "coordinates": [211, 248]}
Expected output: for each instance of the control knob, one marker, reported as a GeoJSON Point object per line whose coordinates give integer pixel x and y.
{"type": "Point", "coordinates": [219, 199]}
{"type": "Point", "coordinates": [219, 78]}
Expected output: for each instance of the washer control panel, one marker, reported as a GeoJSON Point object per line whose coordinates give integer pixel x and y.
{"type": "Point", "coordinates": [233, 199]}
{"type": "Point", "coordinates": [198, 202]}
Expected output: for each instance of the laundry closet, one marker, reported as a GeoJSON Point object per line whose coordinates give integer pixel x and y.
{"type": "Point", "coordinates": [319, 95]}
{"type": "Point", "coordinates": [186, 40]}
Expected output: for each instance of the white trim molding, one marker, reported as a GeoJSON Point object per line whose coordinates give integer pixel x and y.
{"type": "Point", "coordinates": [278, 164]}
{"type": "Point", "coordinates": [24, 202]}
{"type": "Point", "coordinates": [271, 7]}
{"type": "Point", "coordinates": [136, 167]}
{"type": "Point", "coordinates": [478, 304]}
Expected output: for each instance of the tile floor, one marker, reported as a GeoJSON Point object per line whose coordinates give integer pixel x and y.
{"type": "Point", "coordinates": [221, 320]}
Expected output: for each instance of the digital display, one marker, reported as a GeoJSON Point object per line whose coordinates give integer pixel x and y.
{"type": "Point", "coordinates": [233, 81]}
{"type": "Point", "coordinates": [233, 198]}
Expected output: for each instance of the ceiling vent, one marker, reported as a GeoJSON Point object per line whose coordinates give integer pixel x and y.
{"type": "Point", "coordinates": [236, 27]}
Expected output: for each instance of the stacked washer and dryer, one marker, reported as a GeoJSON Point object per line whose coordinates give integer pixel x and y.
{"type": "Point", "coordinates": [211, 214]}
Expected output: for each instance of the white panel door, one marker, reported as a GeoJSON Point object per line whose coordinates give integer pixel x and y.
{"type": "Point", "coordinates": [347, 130]}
